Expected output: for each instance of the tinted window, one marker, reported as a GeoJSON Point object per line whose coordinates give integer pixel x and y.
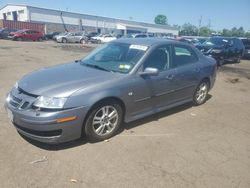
{"type": "Point", "coordinates": [159, 58]}
{"type": "Point", "coordinates": [246, 42]}
{"type": "Point", "coordinates": [183, 55]}
{"type": "Point", "coordinates": [216, 41]}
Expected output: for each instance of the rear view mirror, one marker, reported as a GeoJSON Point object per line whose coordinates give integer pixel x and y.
{"type": "Point", "coordinates": [150, 71]}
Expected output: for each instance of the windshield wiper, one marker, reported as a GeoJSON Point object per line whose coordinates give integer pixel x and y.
{"type": "Point", "coordinates": [96, 66]}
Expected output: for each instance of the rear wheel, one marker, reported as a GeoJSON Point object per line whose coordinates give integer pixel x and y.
{"type": "Point", "coordinates": [200, 95]}
{"type": "Point", "coordinates": [237, 60]}
{"type": "Point", "coordinates": [103, 121]}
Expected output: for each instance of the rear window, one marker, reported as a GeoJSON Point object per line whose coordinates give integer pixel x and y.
{"type": "Point", "coordinates": [246, 41]}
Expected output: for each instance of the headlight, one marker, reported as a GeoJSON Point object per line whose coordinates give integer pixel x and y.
{"type": "Point", "coordinates": [50, 102]}
{"type": "Point", "coordinates": [16, 85]}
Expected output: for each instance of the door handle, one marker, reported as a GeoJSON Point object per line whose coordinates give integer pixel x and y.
{"type": "Point", "coordinates": [169, 77]}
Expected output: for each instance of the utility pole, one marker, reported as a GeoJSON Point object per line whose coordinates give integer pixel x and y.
{"type": "Point", "coordinates": [200, 22]}
{"type": "Point", "coordinates": [209, 23]}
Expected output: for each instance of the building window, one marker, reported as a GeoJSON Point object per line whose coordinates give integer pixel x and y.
{"type": "Point", "coordinates": [4, 16]}
{"type": "Point", "coordinates": [14, 14]}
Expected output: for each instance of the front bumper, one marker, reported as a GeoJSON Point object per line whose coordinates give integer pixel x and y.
{"type": "Point", "coordinates": [43, 126]}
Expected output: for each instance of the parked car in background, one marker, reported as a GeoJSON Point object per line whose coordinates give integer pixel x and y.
{"type": "Point", "coordinates": [103, 38]}
{"type": "Point", "coordinates": [192, 41]}
{"type": "Point", "coordinates": [26, 34]}
{"type": "Point", "coordinates": [139, 35]}
{"type": "Point", "coordinates": [71, 37]}
{"type": "Point", "coordinates": [223, 49]}
{"type": "Point", "coordinates": [87, 38]}
{"type": "Point", "coordinates": [49, 36]}
{"type": "Point", "coordinates": [60, 34]}
{"type": "Point", "coordinates": [124, 80]}
{"type": "Point", "coordinates": [4, 32]}
{"type": "Point", "coordinates": [246, 42]}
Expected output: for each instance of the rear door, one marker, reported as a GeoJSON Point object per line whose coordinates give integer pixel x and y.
{"type": "Point", "coordinates": [27, 35]}
{"type": "Point", "coordinates": [71, 37]}
{"type": "Point", "coordinates": [188, 70]}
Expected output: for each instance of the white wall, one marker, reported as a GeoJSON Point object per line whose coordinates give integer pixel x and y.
{"type": "Point", "coordinates": [52, 16]}
{"type": "Point", "coordinates": [22, 13]}
{"type": "Point", "coordinates": [42, 15]}
{"type": "Point", "coordinates": [162, 30]}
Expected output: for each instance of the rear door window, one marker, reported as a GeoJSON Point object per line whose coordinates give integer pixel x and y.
{"type": "Point", "coordinates": [183, 55]}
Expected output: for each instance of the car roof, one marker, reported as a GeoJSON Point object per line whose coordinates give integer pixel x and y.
{"type": "Point", "coordinates": [147, 41]}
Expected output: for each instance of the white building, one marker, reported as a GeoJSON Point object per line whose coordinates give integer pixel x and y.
{"type": "Point", "coordinates": [56, 20]}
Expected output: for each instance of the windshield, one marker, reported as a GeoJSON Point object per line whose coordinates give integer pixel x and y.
{"type": "Point", "coordinates": [216, 41]}
{"type": "Point", "coordinates": [21, 31]}
{"type": "Point", "coordinates": [115, 57]}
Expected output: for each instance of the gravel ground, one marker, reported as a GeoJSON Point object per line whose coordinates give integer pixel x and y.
{"type": "Point", "coordinates": [205, 146]}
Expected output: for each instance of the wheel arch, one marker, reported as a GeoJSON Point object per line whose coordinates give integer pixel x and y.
{"type": "Point", "coordinates": [105, 99]}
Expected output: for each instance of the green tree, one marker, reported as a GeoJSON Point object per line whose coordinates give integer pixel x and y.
{"type": "Point", "coordinates": [226, 33]}
{"type": "Point", "coordinates": [205, 31]}
{"type": "Point", "coordinates": [161, 19]}
{"type": "Point", "coordinates": [188, 30]}
{"type": "Point", "coordinates": [247, 34]}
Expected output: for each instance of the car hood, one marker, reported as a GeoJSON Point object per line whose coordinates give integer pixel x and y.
{"type": "Point", "coordinates": [64, 80]}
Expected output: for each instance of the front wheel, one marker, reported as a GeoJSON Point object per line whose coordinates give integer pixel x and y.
{"type": "Point", "coordinates": [103, 121]}
{"type": "Point", "coordinates": [201, 92]}
{"type": "Point", "coordinates": [64, 40]}
{"type": "Point", "coordinates": [19, 39]}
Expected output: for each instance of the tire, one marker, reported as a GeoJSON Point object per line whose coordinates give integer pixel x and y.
{"type": "Point", "coordinates": [40, 39]}
{"type": "Point", "coordinates": [18, 39]}
{"type": "Point", "coordinates": [98, 122]}
{"type": "Point", "coordinates": [64, 40]}
{"type": "Point", "coordinates": [82, 41]}
{"type": "Point", "coordinates": [237, 60]}
{"type": "Point", "coordinates": [201, 92]}
{"type": "Point", "coordinates": [220, 63]}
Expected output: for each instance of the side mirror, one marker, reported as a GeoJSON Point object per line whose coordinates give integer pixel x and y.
{"type": "Point", "coordinates": [150, 71]}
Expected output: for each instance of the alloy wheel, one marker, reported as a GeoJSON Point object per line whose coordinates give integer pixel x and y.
{"type": "Point", "coordinates": [201, 93]}
{"type": "Point", "coordinates": [105, 120]}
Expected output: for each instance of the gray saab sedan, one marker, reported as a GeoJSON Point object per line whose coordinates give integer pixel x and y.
{"type": "Point", "coordinates": [121, 81]}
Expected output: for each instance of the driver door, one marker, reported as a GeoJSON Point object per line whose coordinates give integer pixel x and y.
{"type": "Point", "coordinates": [156, 91]}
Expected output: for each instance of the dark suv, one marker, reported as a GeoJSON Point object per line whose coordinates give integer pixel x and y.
{"type": "Point", "coordinates": [246, 43]}
{"type": "Point", "coordinates": [223, 49]}
{"type": "Point", "coordinates": [4, 32]}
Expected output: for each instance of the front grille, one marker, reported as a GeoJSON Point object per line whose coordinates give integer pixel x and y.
{"type": "Point", "coordinates": [21, 99]}
{"type": "Point", "coordinates": [41, 133]}
{"type": "Point", "coordinates": [17, 100]}
{"type": "Point", "coordinates": [24, 105]}
{"type": "Point", "coordinates": [14, 101]}
{"type": "Point", "coordinates": [14, 104]}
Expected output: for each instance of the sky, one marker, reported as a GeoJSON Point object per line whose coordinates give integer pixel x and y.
{"type": "Point", "coordinates": [219, 13]}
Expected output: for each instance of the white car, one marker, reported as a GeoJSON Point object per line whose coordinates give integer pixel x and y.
{"type": "Point", "coordinates": [103, 38]}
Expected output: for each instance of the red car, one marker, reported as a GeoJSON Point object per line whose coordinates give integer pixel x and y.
{"type": "Point", "coordinates": [26, 34]}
